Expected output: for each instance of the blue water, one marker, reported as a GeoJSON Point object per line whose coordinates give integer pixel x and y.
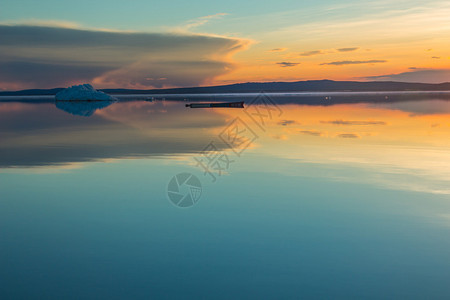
{"type": "Point", "coordinates": [84, 210]}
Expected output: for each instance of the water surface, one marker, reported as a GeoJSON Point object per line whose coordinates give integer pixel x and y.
{"type": "Point", "coordinates": [324, 196]}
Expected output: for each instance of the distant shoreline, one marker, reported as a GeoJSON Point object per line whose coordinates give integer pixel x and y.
{"type": "Point", "coordinates": [253, 94]}
{"type": "Point", "coordinates": [302, 98]}
{"type": "Point", "coordinates": [312, 86]}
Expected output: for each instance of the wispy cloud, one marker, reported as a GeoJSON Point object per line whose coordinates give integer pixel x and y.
{"type": "Point", "coordinates": [348, 49]}
{"type": "Point", "coordinates": [401, 24]}
{"type": "Point", "coordinates": [277, 50]}
{"type": "Point", "coordinates": [287, 122]}
{"type": "Point", "coordinates": [201, 21]}
{"type": "Point", "coordinates": [342, 122]}
{"type": "Point", "coordinates": [353, 62]}
{"type": "Point", "coordinates": [286, 64]}
{"type": "Point", "coordinates": [312, 53]}
{"type": "Point", "coordinates": [320, 52]}
{"type": "Point", "coordinates": [348, 136]}
{"type": "Point", "coordinates": [312, 132]}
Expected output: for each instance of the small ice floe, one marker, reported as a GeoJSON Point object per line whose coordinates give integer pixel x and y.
{"type": "Point", "coordinates": [83, 92]}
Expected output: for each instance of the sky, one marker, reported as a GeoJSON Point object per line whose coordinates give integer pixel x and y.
{"type": "Point", "coordinates": [159, 44]}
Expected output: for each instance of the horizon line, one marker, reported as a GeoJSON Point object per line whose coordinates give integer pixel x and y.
{"type": "Point", "coordinates": [237, 83]}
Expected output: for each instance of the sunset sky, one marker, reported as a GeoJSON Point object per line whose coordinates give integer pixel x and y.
{"type": "Point", "coordinates": [154, 44]}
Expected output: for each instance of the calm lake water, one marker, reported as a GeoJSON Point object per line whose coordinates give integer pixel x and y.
{"type": "Point", "coordinates": [298, 196]}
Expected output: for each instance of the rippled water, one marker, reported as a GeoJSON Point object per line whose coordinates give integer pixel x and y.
{"type": "Point", "coordinates": [296, 196]}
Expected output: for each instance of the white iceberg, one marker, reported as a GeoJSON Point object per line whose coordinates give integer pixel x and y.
{"type": "Point", "coordinates": [84, 92]}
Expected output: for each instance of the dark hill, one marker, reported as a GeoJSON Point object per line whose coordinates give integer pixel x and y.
{"type": "Point", "coordinates": [249, 87]}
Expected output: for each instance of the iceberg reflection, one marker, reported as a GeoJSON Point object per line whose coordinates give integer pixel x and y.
{"type": "Point", "coordinates": [82, 108]}
{"type": "Point", "coordinates": [36, 135]}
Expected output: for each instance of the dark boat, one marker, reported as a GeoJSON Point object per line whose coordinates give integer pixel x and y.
{"type": "Point", "coordinates": [224, 104]}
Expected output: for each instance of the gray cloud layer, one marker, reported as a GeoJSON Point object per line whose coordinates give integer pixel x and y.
{"type": "Point", "coordinates": [348, 49]}
{"type": "Point", "coordinates": [37, 56]}
{"type": "Point", "coordinates": [287, 122]}
{"type": "Point", "coordinates": [348, 136]}
{"type": "Point", "coordinates": [285, 64]}
{"type": "Point", "coordinates": [354, 62]}
{"type": "Point", "coordinates": [417, 75]}
{"type": "Point", "coordinates": [311, 53]}
{"type": "Point", "coordinates": [342, 122]}
{"type": "Point", "coordinates": [311, 132]}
